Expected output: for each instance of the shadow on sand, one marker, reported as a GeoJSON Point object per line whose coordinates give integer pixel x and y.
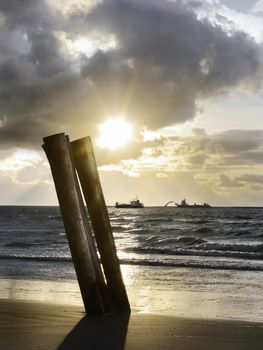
{"type": "Point", "coordinates": [108, 332]}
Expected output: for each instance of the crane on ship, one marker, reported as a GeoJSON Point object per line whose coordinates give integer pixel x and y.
{"type": "Point", "coordinates": [169, 203]}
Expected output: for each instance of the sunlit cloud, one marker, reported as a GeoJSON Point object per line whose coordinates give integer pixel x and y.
{"type": "Point", "coordinates": [67, 7]}
{"type": "Point", "coordinates": [149, 135]}
{"type": "Point", "coordinates": [219, 163]}
{"type": "Point", "coordinates": [24, 166]}
{"type": "Point", "coordinates": [20, 159]}
{"type": "Point", "coordinates": [86, 45]}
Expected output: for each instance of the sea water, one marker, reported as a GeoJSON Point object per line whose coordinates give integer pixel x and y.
{"type": "Point", "coordinates": [210, 251]}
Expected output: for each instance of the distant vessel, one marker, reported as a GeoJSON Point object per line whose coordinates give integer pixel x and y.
{"type": "Point", "coordinates": [135, 203]}
{"type": "Point", "coordinates": [184, 204]}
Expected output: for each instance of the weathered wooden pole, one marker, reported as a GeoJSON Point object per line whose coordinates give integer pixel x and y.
{"type": "Point", "coordinates": [72, 208]}
{"type": "Point", "coordinates": [85, 164]}
{"type": "Point", "coordinates": [107, 303]}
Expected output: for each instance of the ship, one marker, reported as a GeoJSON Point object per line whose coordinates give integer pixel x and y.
{"type": "Point", "coordinates": [184, 204]}
{"type": "Point", "coordinates": [135, 203]}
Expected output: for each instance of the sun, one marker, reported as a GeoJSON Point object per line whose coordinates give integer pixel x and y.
{"type": "Point", "coordinates": [114, 133]}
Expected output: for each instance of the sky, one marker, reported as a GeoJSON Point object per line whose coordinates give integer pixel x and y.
{"type": "Point", "coordinates": [171, 93]}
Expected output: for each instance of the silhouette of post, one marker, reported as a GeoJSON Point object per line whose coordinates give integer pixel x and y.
{"type": "Point", "coordinates": [85, 164]}
{"type": "Point", "coordinates": [76, 225]}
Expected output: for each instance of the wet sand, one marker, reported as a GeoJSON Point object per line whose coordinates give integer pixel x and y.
{"type": "Point", "coordinates": [28, 325]}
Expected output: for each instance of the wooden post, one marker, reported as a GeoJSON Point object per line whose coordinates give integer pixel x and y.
{"type": "Point", "coordinates": [72, 208]}
{"type": "Point", "coordinates": [85, 164]}
{"type": "Point", "coordinates": [107, 303]}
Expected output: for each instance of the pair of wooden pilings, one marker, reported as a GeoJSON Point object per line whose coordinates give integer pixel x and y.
{"type": "Point", "coordinates": [102, 291]}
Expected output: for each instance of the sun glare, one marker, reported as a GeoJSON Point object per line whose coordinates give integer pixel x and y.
{"type": "Point", "coordinates": [114, 133]}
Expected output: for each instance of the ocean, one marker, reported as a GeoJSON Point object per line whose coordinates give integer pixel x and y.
{"type": "Point", "coordinates": [187, 250]}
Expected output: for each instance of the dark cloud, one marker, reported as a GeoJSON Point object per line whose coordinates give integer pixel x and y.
{"type": "Point", "coordinates": [165, 61]}
{"type": "Point", "coordinates": [252, 178]}
{"type": "Point", "coordinates": [252, 181]}
{"type": "Point", "coordinates": [244, 158]}
{"type": "Point", "coordinates": [197, 160]}
{"type": "Point", "coordinates": [175, 59]}
{"type": "Point", "coordinates": [230, 142]}
{"type": "Point", "coordinates": [235, 141]}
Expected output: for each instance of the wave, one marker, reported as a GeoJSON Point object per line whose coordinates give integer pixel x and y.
{"type": "Point", "coordinates": [35, 242]}
{"type": "Point", "coordinates": [28, 231]}
{"type": "Point", "coordinates": [196, 265]}
{"type": "Point", "coordinates": [189, 240]}
{"type": "Point", "coordinates": [204, 230]}
{"type": "Point", "coordinates": [252, 255]}
{"type": "Point", "coordinates": [198, 221]}
{"type": "Point", "coordinates": [185, 264]}
{"type": "Point", "coordinates": [243, 217]}
{"type": "Point", "coordinates": [234, 247]}
{"type": "Point", "coordinates": [242, 233]}
{"type": "Point", "coordinates": [118, 228]}
{"type": "Point", "coordinates": [158, 219]}
{"type": "Point", "coordinates": [36, 258]}
{"type": "Point", "coordinates": [19, 244]}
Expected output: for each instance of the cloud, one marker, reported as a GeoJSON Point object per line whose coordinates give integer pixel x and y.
{"type": "Point", "coordinates": [235, 141]}
{"type": "Point", "coordinates": [232, 148]}
{"type": "Point", "coordinates": [241, 5]}
{"type": "Point", "coordinates": [133, 151]}
{"type": "Point", "coordinates": [251, 178]}
{"type": "Point", "coordinates": [258, 8]}
{"type": "Point", "coordinates": [232, 15]}
{"type": "Point", "coordinates": [246, 182]}
{"type": "Point", "coordinates": [173, 57]}
{"type": "Point", "coordinates": [225, 181]}
{"type": "Point", "coordinates": [231, 151]}
{"type": "Point", "coordinates": [164, 62]}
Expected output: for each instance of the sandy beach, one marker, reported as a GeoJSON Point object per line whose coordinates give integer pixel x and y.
{"type": "Point", "coordinates": [28, 325]}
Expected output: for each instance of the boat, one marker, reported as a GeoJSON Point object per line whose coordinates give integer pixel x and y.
{"type": "Point", "coordinates": [184, 204]}
{"type": "Point", "coordinates": [135, 203]}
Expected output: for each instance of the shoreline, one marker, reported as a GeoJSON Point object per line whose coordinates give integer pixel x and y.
{"type": "Point", "coordinates": [28, 325]}
{"type": "Point", "coordinates": [46, 315]}
{"type": "Point", "coordinates": [184, 296]}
